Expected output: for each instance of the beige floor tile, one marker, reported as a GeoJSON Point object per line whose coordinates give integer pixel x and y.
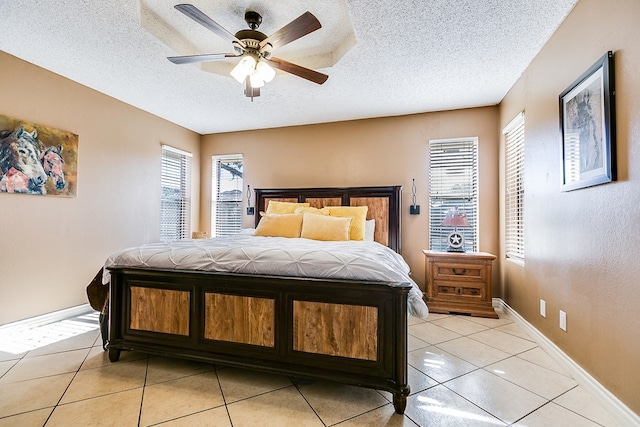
{"type": "Point", "coordinates": [6, 365]}
{"type": "Point", "coordinates": [217, 417]}
{"type": "Point", "coordinates": [503, 341]}
{"type": "Point", "coordinates": [6, 355]}
{"type": "Point", "coordinates": [436, 316]}
{"type": "Point", "coordinates": [541, 358]}
{"type": "Point", "coordinates": [46, 365]}
{"type": "Point", "coordinates": [176, 398]}
{"type": "Point", "coordinates": [432, 334]}
{"type": "Point", "coordinates": [238, 384]}
{"type": "Point", "coordinates": [117, 377]}
{"type": "Point", "coordinates": [474, 352]}
{"type": "Point", "coordinates": [491, 323]}
{"type": "Point", "coordinates": [515, 329]}
{"type": "Point", "coordinates": [117, 409]}
{"type": "Point", "coordinates": [460, 325]}
{"type": "Point", "coordinates": [417, 383]}
{"type": "Point", "coordinates": [30, 395]}
{"type": "Point", "coordinates": [554, 415]}
{"type": "Point", "coordinates": [414, 343]}
{"type": "Point", "coordinates": [33, 418]}
{"type": "Point", "coordinates": [584, 402]}
{"type": "Point", "coordinates": [414, 320]}
{"type": "Point", "coordinates": [539, 380]}
{"type": "Point", "coordinates": [335, 402]}
{"type": "Point", "coordinates": [281, 408]}
{"type": "Point", "coordinates": [438, 364]}
{"type": "Point", "coordinates": [495, 395]}
{"type": "Point", "coordinates": [441, 407]}
{"type": "Point", "coordinates": [165, 369]}
{"type": "Point", "coordinates": [98, 357]}
{"type": "Point", "coordinates": [76, 342]}
{"type": "Point", "coordinates": [385, 416]}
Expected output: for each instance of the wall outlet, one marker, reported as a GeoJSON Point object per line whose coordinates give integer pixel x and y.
{"type": "Point", "coordinates": [543, 308]}
{"type": "Point", "coordinates": [563, 320]}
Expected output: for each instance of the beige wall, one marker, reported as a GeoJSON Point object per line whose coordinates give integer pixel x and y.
{"type": "Point", "coordinates": [53, 246]}
{"type": "Point", "coordinates": [582, 246]}
{"type": "Point", "coordinates": [385, 151]}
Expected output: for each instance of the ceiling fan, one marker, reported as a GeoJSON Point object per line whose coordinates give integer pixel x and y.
{"type": "Point", "coordinates": [256, 66]}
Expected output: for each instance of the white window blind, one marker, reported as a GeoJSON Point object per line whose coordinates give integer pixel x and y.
{"type": "Point", "coordinates": [175, 199]}
{"type": "Point", "coordinates": [453, 183]}
{"type": "Point", "coordinates": [226, 206]}
{"type": "Point", "coordinates": [514, 187]}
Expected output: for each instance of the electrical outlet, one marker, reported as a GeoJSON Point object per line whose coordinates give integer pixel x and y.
{"type": "Point", "coordinates": [563, 320]}
{"type": "Point", "coordinates": [543, 308]}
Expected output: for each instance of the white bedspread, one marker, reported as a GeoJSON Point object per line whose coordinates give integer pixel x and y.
{"type": "Point", "coordinates": [279, 256]}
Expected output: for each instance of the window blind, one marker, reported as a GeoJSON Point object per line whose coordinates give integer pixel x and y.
{"type": "Point", "coordinates": [226, 209]}
{"type": "Point", "coordinates": [514, 188]}
{"type": "Point", "coordinates": [175, 199]}
{"type": "Point", "coordinates": [453, 183]}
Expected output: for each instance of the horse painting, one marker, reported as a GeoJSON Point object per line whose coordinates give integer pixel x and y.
{"type": "Point", "coordinates": [20, 162]}
{"type": "Point", "coordinates": [52, 161]}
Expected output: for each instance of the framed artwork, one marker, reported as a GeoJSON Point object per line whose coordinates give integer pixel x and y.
{"type": "Point", "coordinates": [37, 159]}
{"type": "Point", "coordinates": [587, 126]}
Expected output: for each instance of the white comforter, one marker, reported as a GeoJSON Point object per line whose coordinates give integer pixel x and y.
{"type": "Point", "coordinates": [279, 256]}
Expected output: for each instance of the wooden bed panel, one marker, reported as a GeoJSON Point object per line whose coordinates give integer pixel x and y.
{"type": "Point", "coordinates": [279, 199]}
{"type": "Point", "coordinates": [160, 310]}
{"type": "Point", "coordinates": [239, 319]}
{"type": "Point", "coordinates": [378, 210]}
{"type": "Point", "coordinates": [336, 329]}
{"type": "Point", "coordinates": [321, 202]}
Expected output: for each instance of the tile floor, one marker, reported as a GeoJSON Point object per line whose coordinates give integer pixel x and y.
{"type": "Point", "coordinates": [463, 371]}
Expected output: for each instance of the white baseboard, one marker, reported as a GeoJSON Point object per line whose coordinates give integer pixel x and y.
{"type": "Point", "coordinates": [618, 409]}
{"type": "Point", "coordinates": [45, 319]}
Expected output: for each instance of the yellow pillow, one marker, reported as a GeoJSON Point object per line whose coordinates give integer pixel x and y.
{"type": "Point", "coordinates": [283, 225]}
{"type": "Point", "coordinates": [312, 210]}
{"type": "Point", "coordinates": [276, 207]}
{"type": "Point", "coordinates": [323, 227]}
{"type": "Point", "coordinates": [359, 215]}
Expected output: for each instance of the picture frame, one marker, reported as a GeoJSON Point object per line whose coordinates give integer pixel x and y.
{"type": "Point", "coordinates": [587, 127]}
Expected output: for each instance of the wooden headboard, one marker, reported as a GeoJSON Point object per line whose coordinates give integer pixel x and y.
{"type": "Point", "coordinates": [384, 205]}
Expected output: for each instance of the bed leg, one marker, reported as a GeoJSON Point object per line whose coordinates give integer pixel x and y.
{"type": "Point", "coordinates": [114, 354]}
{"type": "Point", "coordinates": [400, 400]}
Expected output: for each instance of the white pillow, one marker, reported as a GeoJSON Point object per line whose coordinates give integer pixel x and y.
{"type": "Point", "coordinates": [369, 230]}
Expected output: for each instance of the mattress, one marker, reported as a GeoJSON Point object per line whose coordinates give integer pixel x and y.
{"type": "Point", "coordinates": [277, 256]}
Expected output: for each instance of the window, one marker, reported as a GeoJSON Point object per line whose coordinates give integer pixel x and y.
{"type": "Point", "coordinates": [514, 188]}
{"type": "Point", "coordinates": [226, 197]}
{"type": "Point", "coordinates": [175, 199]}
{"type": "Point", "coordinates": [453, 183]}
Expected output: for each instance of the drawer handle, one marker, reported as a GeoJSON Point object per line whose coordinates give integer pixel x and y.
{"type": "Point", "coordinates": [474, 292]}
{"type": "Point", "coordinates": [459, 271]}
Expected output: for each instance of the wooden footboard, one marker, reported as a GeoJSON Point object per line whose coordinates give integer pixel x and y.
{"type": "Point", "coordinates": [345, 331]}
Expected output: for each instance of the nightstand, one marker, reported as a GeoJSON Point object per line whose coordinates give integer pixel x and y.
{"type": "Point", "coordinates": [459, 282]}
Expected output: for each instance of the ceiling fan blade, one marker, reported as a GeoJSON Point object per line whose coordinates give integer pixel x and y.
{"type": "Point", "coordinates": [197, 15]}
{"type": "Point", "coordinates": [297, 70]}
{"type": "Point", "coordinates": [299, 27]}
{"type": "Point", "coordinates": [192, 59]}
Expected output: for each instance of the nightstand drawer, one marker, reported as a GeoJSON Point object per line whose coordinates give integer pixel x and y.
{"type": "Point", "coordinates": [450, 271]}
{"type": "Point", "coordinates": [458, 291]}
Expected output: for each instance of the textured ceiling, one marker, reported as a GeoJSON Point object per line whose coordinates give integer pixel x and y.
{"type": "Point", "coordinates": [409, 56]}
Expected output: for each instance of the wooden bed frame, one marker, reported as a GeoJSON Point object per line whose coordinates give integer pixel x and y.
{"type": "Point", "coordinates": [347, 331]}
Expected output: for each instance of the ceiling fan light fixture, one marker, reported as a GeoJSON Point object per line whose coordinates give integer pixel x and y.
{"type": "Point", "coordinates": [267, 73]}
{"type": "Point", "coordinates": [256, 80]}
{"type": "Point", "coordinates": [244, 68]}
